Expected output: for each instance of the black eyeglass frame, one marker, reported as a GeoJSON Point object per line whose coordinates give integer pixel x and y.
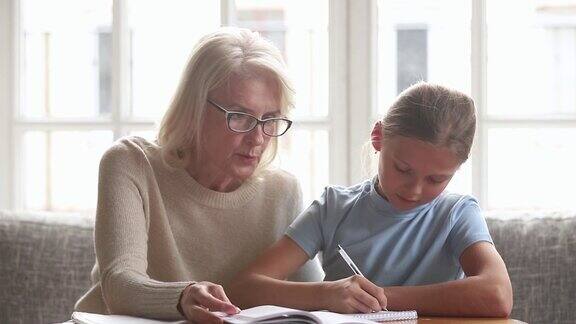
{"type": "Point", "coordinates": [230, 113]}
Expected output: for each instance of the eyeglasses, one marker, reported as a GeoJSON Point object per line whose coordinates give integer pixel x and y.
{"type": "Point", "coordinates": [240, 122]}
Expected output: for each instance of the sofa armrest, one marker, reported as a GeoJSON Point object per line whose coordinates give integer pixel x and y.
{"type": "Point", "coordinates": [45, 265]}
{"type": "Point", "coordinates": [540, 254]}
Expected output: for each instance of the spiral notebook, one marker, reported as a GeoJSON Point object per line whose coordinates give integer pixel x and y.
{"type": "Point", "coordinates": [388, 316]}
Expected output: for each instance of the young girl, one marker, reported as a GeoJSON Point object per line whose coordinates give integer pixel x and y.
{"type": "Point", "coordinates": [418, 246]}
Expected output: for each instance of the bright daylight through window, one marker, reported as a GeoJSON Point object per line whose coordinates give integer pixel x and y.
{"type": "Point", "coordinates": [89, 72]}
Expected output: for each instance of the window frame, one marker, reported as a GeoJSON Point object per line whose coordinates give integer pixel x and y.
{"type": "Point", "coordinates": [14, 126]}
{"type": "Point", "coordinates": [120, 123]}
{"type": "Point", "coordinates": [352, 88]}
{"type": "Point", "coordinates": [478, 57]}
{"type": "Point", "coordinates": [486, 122]}
{"type": "Point", "coordinates": [8, 60]}
{"type": "Point", "coordinates": [335, 123]}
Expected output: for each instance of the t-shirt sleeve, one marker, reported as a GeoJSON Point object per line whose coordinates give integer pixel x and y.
{"type": "Point", "coordinates": [469, 226]}
{"type": "Point", "coordinates": [306, 230]}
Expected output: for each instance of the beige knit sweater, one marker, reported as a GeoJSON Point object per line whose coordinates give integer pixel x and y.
{"type": "Point", "coordinates": [157, 230]}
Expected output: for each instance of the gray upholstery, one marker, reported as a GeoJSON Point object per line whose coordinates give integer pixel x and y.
{"type": "Point", "coordinates": [45, 261]}
{"type": "Point", "coordinates": [541, 258]}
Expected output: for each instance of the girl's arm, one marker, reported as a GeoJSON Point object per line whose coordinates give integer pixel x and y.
{"type": "Point", "coordinates": [486, 291]}
{"type": "Point", "coordinates": [264, 282]}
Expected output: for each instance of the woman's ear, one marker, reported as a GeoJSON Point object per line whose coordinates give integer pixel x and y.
{"type": "Point", "coordinates": [376, 136]}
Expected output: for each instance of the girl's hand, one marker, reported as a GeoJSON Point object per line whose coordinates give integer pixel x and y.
{"type": "Point", "coordinates": [354, 294]}
{"type": "Point", "coordinates": [198, 300]}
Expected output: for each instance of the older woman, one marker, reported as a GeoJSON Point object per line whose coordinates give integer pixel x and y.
{"type": "Point", "coordinates": [177, 218]}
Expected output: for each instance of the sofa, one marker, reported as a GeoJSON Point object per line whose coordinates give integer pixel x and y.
{"type": "Point", "coordinates": [45, 264]}
{"type": "Point", "coordinates": [45, 261]}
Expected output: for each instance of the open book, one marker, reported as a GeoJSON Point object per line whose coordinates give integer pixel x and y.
{"type": "Point", "coordinates": [276, 314]}
{"type": "Point", "coordinates": [261, 314]}
{"type": "Point", "coordinates": [91, 318]}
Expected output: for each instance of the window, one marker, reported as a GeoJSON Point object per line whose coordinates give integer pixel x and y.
{"type": "Point", "coordinates": [89, 72]}
{"type": "Point", "coordinates": [522, 79]}
{"type": "Point", "coordinates": [530, 115]}
{"type": "Point", "coordinates": [72, 102]}
{"type": "Point", "coordinates": [412, 57]}
{"type": "Point", "coordinates": [424, 40]}
{"type": "Point", "coordinates": [300, 31]}
{"type": "Point", "coordinates": [76, 76]}
{"type": "Point", "coordinates": [61, 88]}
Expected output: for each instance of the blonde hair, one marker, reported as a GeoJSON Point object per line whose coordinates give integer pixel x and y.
{"type": "Point", "coordinates": [215, 59]}
{"type": "Point", "coordinates": [435, 114]}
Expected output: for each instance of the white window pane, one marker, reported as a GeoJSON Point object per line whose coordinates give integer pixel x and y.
{"type": "Point", "coordinates": [531, 168]}
{"type": "Point", "coordinates": [300, 30]}
{"type": "Point", "coordinates": [150, 135]}
{"type": "Point", "coordinates": [304, 153]}
{"type": "Point", "coordinates": [422, 40]}
{"type": "Point", "coordinates": [161, 44]}
{"type": "Point", "coordinates": [531, 58]}
{"type": "Point", "coordinates": [462, 181]}
{"type": "Point", "coordinates": [61, 169]}
{"type": "Point", "coordinates": [65, 58]}
{"type": "Point", "coordinates": [74, 164]}
{"type": "Point", "coordinates": [34, 170]}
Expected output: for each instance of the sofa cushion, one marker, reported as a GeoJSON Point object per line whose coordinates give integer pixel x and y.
{"type": "Point", "coordinates": [540, 254]}
{"type": "Point", "coordinates": [46, 259]}
{"type": "Point", "coordinates": [45, 263]}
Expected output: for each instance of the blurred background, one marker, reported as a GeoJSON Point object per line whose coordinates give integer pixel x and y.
{"type": "Point", "coordinates": [76, 75]}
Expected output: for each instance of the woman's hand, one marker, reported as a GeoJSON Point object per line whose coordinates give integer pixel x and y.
{"type": "Point", "coordinates": [198, 300]}
{"type": "Point", "coordinates": [354, 294]}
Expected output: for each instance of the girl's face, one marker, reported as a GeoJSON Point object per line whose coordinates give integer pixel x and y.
{"type": "Point", "coordinates": [412, 172]}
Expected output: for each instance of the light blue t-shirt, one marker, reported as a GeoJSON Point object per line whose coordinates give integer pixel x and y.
{"type": "Point", "coordinates": [392, 248]}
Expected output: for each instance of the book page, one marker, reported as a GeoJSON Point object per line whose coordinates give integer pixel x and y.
{"type": "Point", "coordinates": [277, 314]}
{"type": "Point", "coordinates": [335, 318]}
{"type": "Point", "coordinates": [90, 318]}
{"type": "Point", "coordinates": [270, 314]}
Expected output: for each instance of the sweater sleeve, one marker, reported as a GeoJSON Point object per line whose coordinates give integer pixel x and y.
{"type": "Point", "coordinates": [121, 237]}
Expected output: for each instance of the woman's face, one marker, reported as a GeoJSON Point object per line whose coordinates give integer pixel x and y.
{"type": "Point", "coordinates": [228, 158]}
{"type": "Point", "coordinates": [412, 172]}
